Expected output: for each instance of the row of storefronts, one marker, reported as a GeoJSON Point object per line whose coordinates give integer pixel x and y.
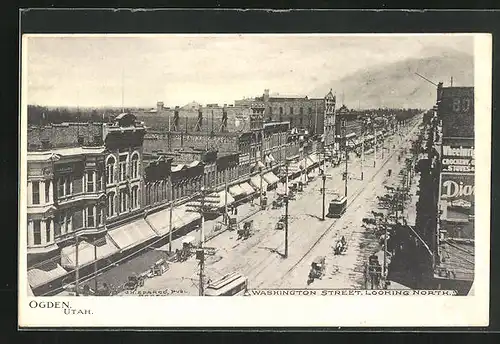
{"type": "Point", "coordinates": [153, 227]}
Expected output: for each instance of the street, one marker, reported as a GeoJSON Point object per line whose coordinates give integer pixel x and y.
{"type": "Point", "coordinates": [261, 256]}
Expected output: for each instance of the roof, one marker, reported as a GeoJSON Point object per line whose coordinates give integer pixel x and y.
{"type": "Point", "coordinates": [72, 151]}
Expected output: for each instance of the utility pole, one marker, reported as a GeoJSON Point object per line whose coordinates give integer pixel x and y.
{"type": "Point", "coordinates": [384, 266]}
{"type": "Point", "coordinates": [362, 152]}
{"type": "Point", "coordinates": [346, 158]}
{"type": "Point", "coordinates": [95, 266]}
{"type": "Point", "coordinates": [225, 196]}
{"type": "Point", "coordinates": [324, 192]}
{"type": "Point", "coordinates": [375, 153]}
{"type": "Point", "coordinates": [77, 272]}
{"type": "Point", "coordinates": [171, 191]}
{"type": "Point", "coordinates": [261, 191]}
{"type": "Point", "coordinates": [286, 213]}
{"type": "Point", "coordinates": [202, 230]}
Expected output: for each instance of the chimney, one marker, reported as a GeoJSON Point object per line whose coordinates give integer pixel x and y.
{"type": "Point", "coordinates": [266, 95]}
{"type": "Point", "coordinates": [159, 106]}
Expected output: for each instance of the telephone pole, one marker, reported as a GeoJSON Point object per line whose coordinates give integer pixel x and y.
{"type": "Point", "coordinates": [375, 153]}
{"type": "Point", "coordinates": [261, 191]}
{"type": "Point", "coordinates": [324, 191]}
{"type": "Point", "coordinates": [362, 153]}
{"type": "Point", "coordinates": [171, 189]}
{"type": "Point", "coordinates": [77, 272]}
{"type": "Point", "coordinates": [346, 159]}
{"type": "Point", "coordinates": [286, 212]}
{"type": "Point", "coordinates": [225, 196]}
{"type": "Point", "coordinates": [95, 266]}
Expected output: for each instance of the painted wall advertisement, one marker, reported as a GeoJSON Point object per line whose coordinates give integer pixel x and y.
{"type": "Point", "coordinates": [457, 188]}
{"type": "Point", "coordinates": [456, 109]}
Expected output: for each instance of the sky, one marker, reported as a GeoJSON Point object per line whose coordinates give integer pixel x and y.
{"type": "Point", "coordinates": [95, 70]}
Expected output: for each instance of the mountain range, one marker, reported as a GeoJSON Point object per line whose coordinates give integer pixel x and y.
{"type": "Point", "coordinates": [395, 85]}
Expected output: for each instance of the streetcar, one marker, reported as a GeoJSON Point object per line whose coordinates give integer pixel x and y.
{"type": "Point", "coordinates": [233, 284]}
{"type": "Point", "coordinates": [337, 206]}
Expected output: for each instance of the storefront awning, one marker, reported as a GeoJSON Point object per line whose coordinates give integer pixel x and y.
{"type": "Point", "coordinates": [236, 191]}
{"type": "Point", "coordinates": [259, 164]}
{"type": "Point", "coordinates": [85, 255]}
{"type": "Point", "coordinates": [220, 197]}
{"type": "Point", "coordinates": [161, 219]}
{"type": "Point", "coordinates": [255, 181]}
{"type": "Point", "coordinates": [247, 188]}
{"type": "Point", "coordinates": [271, 178]}
{"type": "Point", "coordinates": [39, 276]}
{"type": "Point", "coordinates": [132, 234]}
{"type": "Point", "coordinates": [182, 217]}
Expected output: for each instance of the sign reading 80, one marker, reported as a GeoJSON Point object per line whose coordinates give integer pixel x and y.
{"type": "Point", "coordinates": [462, 104]}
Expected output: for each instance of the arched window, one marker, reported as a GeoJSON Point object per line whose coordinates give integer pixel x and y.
{"type": "Point", "coordinates": [111, 204]}
{"type": "Point", "coordinates": [135, 165]}
{"type": "Point", "coordinates": [110, 169]}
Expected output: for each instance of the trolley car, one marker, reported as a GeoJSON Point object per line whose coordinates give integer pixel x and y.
{"type": "Point", "coordinates": [337, 207]}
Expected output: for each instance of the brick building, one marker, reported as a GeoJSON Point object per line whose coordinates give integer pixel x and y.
{"type": "Point", "coordinates": [302, 112]}
{"type": "Point", "coordinates": [123, 141]}
{"type": "Point", "coordinates": [81, 177]}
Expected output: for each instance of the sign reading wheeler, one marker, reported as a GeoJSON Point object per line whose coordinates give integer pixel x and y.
{"type": "Point", "coordinates": [458, 159]}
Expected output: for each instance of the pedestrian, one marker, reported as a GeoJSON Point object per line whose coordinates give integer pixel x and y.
{"type": "Point", "coordinates": [232, 209]}
{"type": "Point", "coordinates": [236, 211]}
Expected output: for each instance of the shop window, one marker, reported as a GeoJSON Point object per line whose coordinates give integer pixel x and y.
{"type": "Point", "coordinates": [37, 234]}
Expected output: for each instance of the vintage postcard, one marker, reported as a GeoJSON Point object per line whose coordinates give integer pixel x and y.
{"type": "Point", "coordinates": [313, 172]}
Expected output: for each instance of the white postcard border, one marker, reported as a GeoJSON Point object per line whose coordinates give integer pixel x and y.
{"type": "Point", "coordinates": [318, 311]}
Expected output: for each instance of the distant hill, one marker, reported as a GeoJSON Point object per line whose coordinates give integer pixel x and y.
{"type": "Point", "coordinates": [395, 85]}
